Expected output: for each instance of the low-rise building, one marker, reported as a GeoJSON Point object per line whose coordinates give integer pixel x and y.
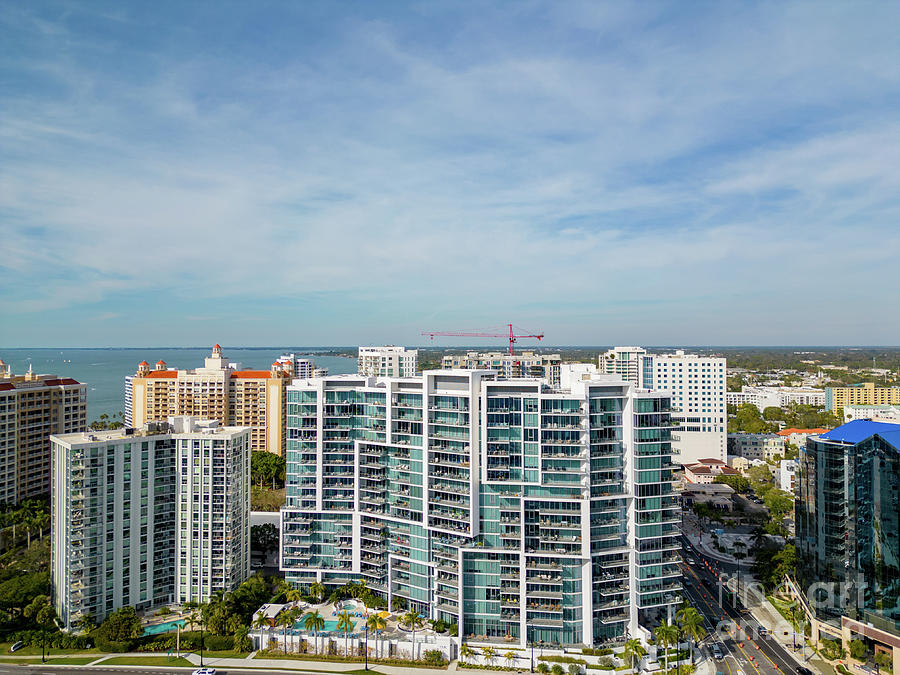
{"type": "Point", "coordinates": [707, 470]}
{"type": "Point", "coordinates": [775, 397]}
{"type": "Point", "coordinates": [756, 446]}
{"type": "Point", "coordinates": [146, 517]}
{"type": "Point", "coordinates": [718, 495]}
{"type": "Point", "coordinates": [797, 437]}
{"type": "Point", "coordinates": [875, 413]}
{"type": "Point", "coordinates": [300, 367]}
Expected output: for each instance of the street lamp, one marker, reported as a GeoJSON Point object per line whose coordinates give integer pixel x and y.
{"type": "Point", "coordinates": [531, 644]}
{"type": "Point", "coordinates": [367, 642]}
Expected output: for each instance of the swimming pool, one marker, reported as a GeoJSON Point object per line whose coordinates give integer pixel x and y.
{"type": "Point", "coordinates": [330, 626]}
{"type": "Point", "coordinates": [163, 627]}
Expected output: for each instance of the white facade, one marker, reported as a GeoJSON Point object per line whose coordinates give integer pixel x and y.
{"type": "Point", "coordinates": [787, 475]}
{"type": "Point", "coordinates": [876, 413]}
{"type": "Point", "coordinates": [148, 517]}
{"type": "Point", "coordinates": [388, 361]}
{"type": "Point", "coordinates": [775, 397]}
{"type": "Point", "coordinates": [129, 406]}
{"type": "Point", "coordinates": [508, 366]}
{"type": "Point", "coordinates": [756, 446]}
{"type": "Point", "coordinates": [625, 362]}
{"type": "Point", "coordinates": [697, 387]}
{"type": "Point", "coordinates": [471, 498]}
{"type": "Point", "coordinates": [300, 367]}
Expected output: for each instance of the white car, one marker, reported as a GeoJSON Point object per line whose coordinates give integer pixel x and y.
{"type": "Point", "coordinates": [204, 671]}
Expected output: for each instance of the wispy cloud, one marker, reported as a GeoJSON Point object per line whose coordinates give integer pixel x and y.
{"type": "Point", "coordinates": [351, 173]}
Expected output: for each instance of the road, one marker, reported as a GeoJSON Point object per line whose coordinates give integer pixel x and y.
{"type": "Point", "coordinates": [745, 652]}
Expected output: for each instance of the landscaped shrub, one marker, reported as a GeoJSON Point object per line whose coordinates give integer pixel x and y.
{"type": "Point", "coordinates": [433, 657]}
{"type": "Point", "coordinates": [562, 659]}
{"type": "Point", "coordinates": [597, 651]}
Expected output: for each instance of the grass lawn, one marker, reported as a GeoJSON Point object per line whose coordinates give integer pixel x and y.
{"type": "Point", "coordinates": [227, 654]}
{"type": "Point", "coordinates": [147, 661]}
{"type": "Point", "coordinates": [36, 651]}
{"type": "Point", "coordinates": [72, 660]}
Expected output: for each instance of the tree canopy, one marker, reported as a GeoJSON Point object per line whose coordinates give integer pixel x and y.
{"type": "Point", "coordinates": [121, 625]}
{"type": "Point", "coordinates": [266, 468]}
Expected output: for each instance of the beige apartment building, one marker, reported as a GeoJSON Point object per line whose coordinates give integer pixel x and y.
{"type": "Point", "coordinates": [838, 398]}
{"type": "Point", "coordinates": [32, 407]}
{"type": "Point", "coordinates": [221, 391]}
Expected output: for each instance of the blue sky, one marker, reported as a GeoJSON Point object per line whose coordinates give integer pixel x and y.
{"type": "Point", "coordinates": [357, 172]}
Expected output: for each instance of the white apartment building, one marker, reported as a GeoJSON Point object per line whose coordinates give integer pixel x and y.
{"type": "Point", "coordinates": [787, 475]}
{"type": "Point", "coordinates": [775, 397]}
{"type": "Point", "coordinates": [625, 362]}
{"type": "Point", "coordinates": [517, 511]}
{"type": "Point", "coordinates": [756, 446]}
{"type": "Point", "coordinates": [300, 367]}
{"type": "Point", "coordinates": [388, 361]}
{"type": "Point", "coordinates": [697, 387]}
{"type": "Point", "coordinates": [148, 517]}
{"type": "Point", "coordinates": [876, 413]}
{"type": "Point", "coordinates": [508, 366]}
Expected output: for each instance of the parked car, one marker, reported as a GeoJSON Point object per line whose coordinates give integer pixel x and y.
{"type": "Point", "coordinates": [16, 647]}
{"type": "Point", "coordinates": [801, 670]}
{"type": "Point", "coordinates": [204, 671]}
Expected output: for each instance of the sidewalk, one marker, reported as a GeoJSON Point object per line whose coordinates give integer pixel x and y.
{"type": "Point", "coordinates": [302, 664]}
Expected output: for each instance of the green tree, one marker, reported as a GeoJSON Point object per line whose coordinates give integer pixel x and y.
{"type": "Point", "coordinates": [242, 641]}
{"type": "Point", "coordinates": [122, 625]}
{"type": "Point", "coordinates": [466, 652]}
{"type": "Point", "coordinates": [542, 668]}
{"type": "Point", "coordinates": [317, 590]}
{"type": "Point", "coordinates": [691, 623]}
{"type": "Point", "coordinates": [737, 483]}
{"type": "Point", "coordinates": [489, 654]}
{"type": "Point", "coordinates": [634, 651]}
{"type": "Point", "coordinates": [345, 623]}
{"type": "Point", "coordinates": [284, 619]}
{"type": "Point", "coordinates": [557, 669]}
{"type": "Point", "coordinates": [779, 502]}
{"type": "Point", "coordinates": [510, 657]}
{"type": "Point", "coordinates": [413, 621]}
{"type": "Point", "coordinates": [377, 623]}
{"type": "Point", "coordinates": [666, 635]}
{"type": "Point", "coordinates": [314, 623]}
{"type": "Point", "coordinates": [86, 623]}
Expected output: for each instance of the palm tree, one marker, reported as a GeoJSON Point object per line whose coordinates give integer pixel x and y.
{"type": "Point", "coordinates": [489, 654]}
{"type": "Point", "coordinates": [377, 623]}
{"type": "Point", "coordinates": [262, 621]}
{"type": "Point", "coordinates": [510, 657]}
{"type": "Point", "coordinates": [317, 590]}
{"type": "Point", "coordinates": [345, 623]}
{"type": "Point", "coordinates": [666, 634]}
{"type": "Point", "coordinates": [292, 595]}
{"type": "Point", "coordinates": [314, 623]}
{"type": "Point", "coordinates": [466, 652]}
{"type": "Point", "coordinates": [284, 619]}
{"type": "Point", "coordinates": [633, 648]}
{"type": "Point", "coordinates": [412, 620]}
{"type": "Point", "coordinates": [691, 624]}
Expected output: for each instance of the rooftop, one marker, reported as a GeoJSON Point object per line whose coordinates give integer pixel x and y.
{"type": "Point", "coordinates": [788, 432]}
{"type": "Point", "coordinates": [860, 430]}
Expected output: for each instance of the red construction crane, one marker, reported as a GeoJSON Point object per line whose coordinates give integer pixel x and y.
{"type": "Point", "coordinates": [511, 336]}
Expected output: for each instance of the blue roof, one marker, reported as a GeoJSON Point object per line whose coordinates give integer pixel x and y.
{"type": "Point", "coordinates": [859, 430]}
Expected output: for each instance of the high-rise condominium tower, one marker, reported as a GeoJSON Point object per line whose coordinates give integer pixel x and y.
{"type": "Point", "coordinates": [388, 361]}
{"type": "Point", "coordinates": [149, 516]}
{"type": "Point", "coordinates": [696, 385]}
{"type": "Point", "coordinates": [508, 366]}
{"type": "Point", "coordinates": [31, 408]}
{"type": "Point", "coordinates": [518, 511]}
{"type": "Point", "coordinates": [221, 391]}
